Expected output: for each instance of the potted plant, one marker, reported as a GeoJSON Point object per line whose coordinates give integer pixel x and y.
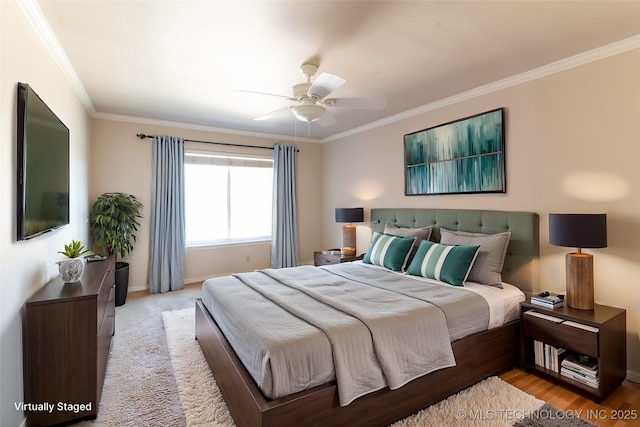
{"type": "Point", "coordinates": [114, 223]}
{"type": "Point", "coordinates": [71, 268]}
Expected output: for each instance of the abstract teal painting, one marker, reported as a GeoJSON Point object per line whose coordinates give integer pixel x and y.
{"type": "Point", "coordinates": [463, 156]}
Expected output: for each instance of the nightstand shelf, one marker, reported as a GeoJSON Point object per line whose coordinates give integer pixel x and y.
{"type": "Point", "coordinates": [333, 257]}
{"type": "Point", "coordinates": [599, 334]}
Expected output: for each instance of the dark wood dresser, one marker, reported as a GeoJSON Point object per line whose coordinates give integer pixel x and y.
{"type": "Point", "coordinates": [67, 334]}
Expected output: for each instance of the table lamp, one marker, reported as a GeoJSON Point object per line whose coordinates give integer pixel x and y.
{"type": "Point", "coordinates": [579, 231]}
{"type": "Point", "coordinates": [349, 216]}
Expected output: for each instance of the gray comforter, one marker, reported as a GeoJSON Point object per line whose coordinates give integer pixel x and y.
{"type": "Point", "coordinates": [370, 328]}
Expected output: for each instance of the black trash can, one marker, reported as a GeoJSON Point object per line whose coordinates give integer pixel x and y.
{"type": "Point", "coordinates": [122, 282]}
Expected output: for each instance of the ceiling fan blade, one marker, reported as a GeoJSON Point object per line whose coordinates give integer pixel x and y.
{"type": "Point", "coordinates": [268, 94]}
{"type": "Point", "coordinates": [359, 103]}
{"type": "Point", "coordinates": [324, 84]}
{"type": "Point", "coordinates": [273, 113]}
{"type": "Point", "coordinates": [326, 120]}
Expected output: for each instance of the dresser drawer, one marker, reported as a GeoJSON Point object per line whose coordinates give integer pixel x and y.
{"type": "Point", "coordinates": [104, 342]}
{"type": "Point", "coordinates": [583, 339]}
{"type": "Point", "coordinates": [106, 293]}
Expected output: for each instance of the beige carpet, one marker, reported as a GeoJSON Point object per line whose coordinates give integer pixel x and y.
{"type": "Point", "coordinates": [491, 402]}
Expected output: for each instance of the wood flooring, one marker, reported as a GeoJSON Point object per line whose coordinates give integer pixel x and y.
{"type": "Point", "coordinates": [621, 408]}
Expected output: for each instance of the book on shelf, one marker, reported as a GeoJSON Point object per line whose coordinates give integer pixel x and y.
{"type": "Point", "coordinates": [581, 364]}
{"type": "Point", "coordinates": [591, 382]}
{"type": "Point", "coordinates": [553, 357]}
{"type": "Point", "coordinates": [582, 369]}
{"type": "Point", "coordinates": [585, 374]}
{"type": "Point", "coordinates": [538, 353]}
{"type": "Point", "coordinates": [547, 356]}
{"type": "Point", "coordinates": [546, 299]}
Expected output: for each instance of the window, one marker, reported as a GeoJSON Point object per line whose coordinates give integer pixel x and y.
{"type": "Point", "coordinates": [227, 198]}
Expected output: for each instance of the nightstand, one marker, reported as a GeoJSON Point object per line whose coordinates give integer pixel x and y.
{"type": "Point", "coordinates": [333, 257]}
{"type": "Point", "coordinates": [599, 333]}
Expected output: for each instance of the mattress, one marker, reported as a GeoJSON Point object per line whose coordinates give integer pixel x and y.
{"type": "Point", "coordinates": [504, 304]}
{"type": "Point", "coordinates": [285, 353]}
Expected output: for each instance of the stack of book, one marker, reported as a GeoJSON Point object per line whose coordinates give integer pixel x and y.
{"type": "Point", "coordinates": [545, 299]}
{"type": "Point", "coordinates": [583, 371]}
{"type": "Point", "coordinates": [547, 356]}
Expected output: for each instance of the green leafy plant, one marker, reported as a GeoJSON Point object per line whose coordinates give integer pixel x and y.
{"type": "Point", "coordinates": [114, 222]}
{"type": "Point", "coordinates": [75, 249]}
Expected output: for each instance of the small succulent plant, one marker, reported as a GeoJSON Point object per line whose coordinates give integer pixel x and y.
{"type": "Point", "coordinates": [75, 249]}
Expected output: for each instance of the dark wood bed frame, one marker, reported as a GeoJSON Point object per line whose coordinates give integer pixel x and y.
{"type": "Point", "coordinates": [477, 356]}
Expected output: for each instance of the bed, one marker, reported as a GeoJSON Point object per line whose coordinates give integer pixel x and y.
{"type": "Point", "coordinates": [477, 355]}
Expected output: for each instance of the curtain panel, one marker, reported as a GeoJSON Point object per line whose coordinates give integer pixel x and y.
{"type": "Point", "coordinates": [168, 238]}
{"type": "Point", "coordinates": [284, 239]}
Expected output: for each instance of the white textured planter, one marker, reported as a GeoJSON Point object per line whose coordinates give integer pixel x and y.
{"type": "Point", "coordinates": [71, 269]}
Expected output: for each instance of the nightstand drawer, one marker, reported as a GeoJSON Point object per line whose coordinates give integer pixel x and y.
{"type": "Point", "coordinates": [583, 340]}
{"type": "Point", "coordinates": [323, 259]}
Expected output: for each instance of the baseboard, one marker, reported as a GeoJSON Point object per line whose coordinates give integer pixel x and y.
{"type": "Point", "coordinates": [634, 377]}
{"type": "Point", "coordinates": [136, 288]}
{"type": "Point", "coordinates": [188, 280]}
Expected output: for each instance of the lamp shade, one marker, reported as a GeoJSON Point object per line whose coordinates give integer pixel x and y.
{"type": "Point", "coordinates": [578, 230]}
{"type": "Point", "coordinates": [349, 215]}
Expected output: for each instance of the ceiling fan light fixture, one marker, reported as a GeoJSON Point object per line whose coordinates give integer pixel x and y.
{"type": "Point", "coordinates": [308, 112]}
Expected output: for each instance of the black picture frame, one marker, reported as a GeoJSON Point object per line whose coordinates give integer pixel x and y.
{"type": "Point", "coordinates": [464, 156]}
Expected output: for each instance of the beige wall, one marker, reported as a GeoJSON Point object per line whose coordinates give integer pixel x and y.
{"type": "Point", "coordinates": [27, 265]}
{"type": "Point", "coordinates": [122, 162]}
{"type": "Point", "coordinates": [572, 145]}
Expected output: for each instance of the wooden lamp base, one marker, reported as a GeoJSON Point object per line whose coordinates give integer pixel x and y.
{"type": "Point", "coordinates": [580, 293]}
{"type": "Point", "coordinates": [349, 240]}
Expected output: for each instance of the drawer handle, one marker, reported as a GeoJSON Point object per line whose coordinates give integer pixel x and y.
{"type": "Point", "coordinates": [581, 326]}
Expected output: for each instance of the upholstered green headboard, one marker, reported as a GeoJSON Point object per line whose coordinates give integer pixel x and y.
{"type": "Point", "coordinates": [521, 264]}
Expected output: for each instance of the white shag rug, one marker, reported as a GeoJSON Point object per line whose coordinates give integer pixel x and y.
{"type": "Point", "coordinates": [193, 376]}
{"type": "Point", "coordinates": [492, 402]}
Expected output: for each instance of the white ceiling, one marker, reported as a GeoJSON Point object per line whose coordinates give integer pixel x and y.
{"type": "Point", "coordinates": [181, 61]}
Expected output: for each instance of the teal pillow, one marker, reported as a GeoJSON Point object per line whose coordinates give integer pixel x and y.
{"type": "Point", "coordinates": [447, 263]}
{"type": "Point", "coordinates": [389, 251]}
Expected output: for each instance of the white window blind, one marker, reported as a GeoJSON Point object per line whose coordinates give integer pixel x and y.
{"type": "Point", "coordinates": [227, 198]}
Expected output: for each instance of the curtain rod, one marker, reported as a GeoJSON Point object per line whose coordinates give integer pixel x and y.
{"type": "Point", "coordinates": [143, 136]}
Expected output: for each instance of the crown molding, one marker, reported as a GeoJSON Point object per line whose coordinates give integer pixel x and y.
{"type": "Point", "coordinates": [191, 126]}
{"type": "Point", "coordinates": [37, 20]}
{"type": "Point", "coordinates": [35, 17]}
{"type": "Point", "coordinates": [578, 60]}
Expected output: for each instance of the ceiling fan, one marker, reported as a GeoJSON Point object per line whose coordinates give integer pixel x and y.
{"type": "Point", "coordinates": [312, 102]}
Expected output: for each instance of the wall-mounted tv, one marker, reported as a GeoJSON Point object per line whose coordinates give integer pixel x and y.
{"type": "Point", "coordinates": [42, 167]}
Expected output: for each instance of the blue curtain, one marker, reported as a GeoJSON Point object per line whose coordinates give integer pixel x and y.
{"type": "Point", "coordinates": [167, 215]}
{"type": "Point", "coordinates": [284, 235]}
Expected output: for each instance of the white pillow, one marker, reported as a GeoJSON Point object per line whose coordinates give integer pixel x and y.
{"type": "Point", "coordinates": [487, 267]}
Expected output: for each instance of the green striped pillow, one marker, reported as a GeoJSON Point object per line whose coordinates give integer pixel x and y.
{"type": "Point", "coordinates": [389, 251]}
{"type": "Point", "coordinates": [447, 263]}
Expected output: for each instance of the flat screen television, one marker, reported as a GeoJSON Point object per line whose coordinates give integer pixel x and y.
{"type": "Point", "coordinates": [42, 167]}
